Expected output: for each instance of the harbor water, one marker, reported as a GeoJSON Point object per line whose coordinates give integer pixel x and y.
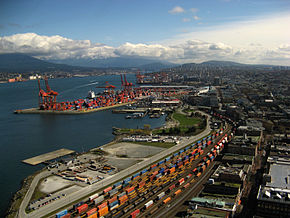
{"type": "Point", "coordinates": [27, 135]}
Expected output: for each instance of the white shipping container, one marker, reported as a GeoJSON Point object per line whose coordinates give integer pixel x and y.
{"type": "Point", "coordinates": [148, 204]}
{"type": "Point", "coordinates": [93, 196]}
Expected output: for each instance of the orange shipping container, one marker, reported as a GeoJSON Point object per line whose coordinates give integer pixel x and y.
{"type": "Point", "coordinates": [104, 211]}
{"type": "Point", "coordinates": [177, 192]}
{"type": "Point", "coordinates": [198, 174]}
{"type": "Point", "coordinates": [95, 215]}
{"type": "Point", "coordinates": [102, 205]}
{"type": "Point", "coordinates": [128, 190]}
{"type": "Point", "coordinates": [167, 200]}
{"type": "Point", "coordinates": [186, 185]}
{"type": "Point", "coordinates": [66, 216]}
{"type": "Point", "coordinates": [172, 170]}
{"type": "Point", "coordinates": [90, 212]}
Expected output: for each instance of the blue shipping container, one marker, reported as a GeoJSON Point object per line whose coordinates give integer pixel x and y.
{"type": "Point", "coordinates": [114, 203]}
{"type": "Point", "coordinates": [127, 180]}
{"type": "Point", "coordinates": [137, 174]}
{"type": "Point", "coordinates": [144, 171]}
{"type": "Point", "coordinates": [62, 213]}
{"type": "Point", "coordinates": [168, 159]}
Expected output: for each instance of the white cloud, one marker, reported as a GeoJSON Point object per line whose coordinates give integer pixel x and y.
{"type": "Point", "coordinates": [235, 42]}
{"type": "Point", "coordinates": [53, 46]}
{"type": "Point", "coordinates": [176, 10]}
{"type": "Point", "coordinates": [186, 20]}
{"type": "Point", "coordinates": [196, 17]}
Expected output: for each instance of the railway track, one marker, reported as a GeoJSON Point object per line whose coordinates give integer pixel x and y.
{"type": "Point", "coordinates": [150, 191]}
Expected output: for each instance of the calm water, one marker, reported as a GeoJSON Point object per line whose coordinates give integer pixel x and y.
{"type": "Point", "coordinates": [25, 136]}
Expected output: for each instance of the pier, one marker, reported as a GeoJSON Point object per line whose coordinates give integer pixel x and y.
{"type": "Point", "coordinates": [48, 156]}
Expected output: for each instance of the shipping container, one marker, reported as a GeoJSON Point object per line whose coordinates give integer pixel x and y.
{"type": "Point", "coordinates": [167, 159]}
{"type": "Point", "coordinates": [136, 175]}
{"type": "Point", "coordinates": [108, 189]}
{"type": "Point", "coordinates": [102, 205]}
{"type": "Point", "coordinates": [144, 171]}
{"type": "Point", "coordinates": [172, 187]}
{"type": "Point", "coordinates": [112, 199]}
{"type": "Point", "coordinates": [127, 180]}
{"type": "Point", "coordinates": [172, 170]}
{"type": "Point", "coordinates": [153, 166]}
{"type": "Point", "coordinates": [61, 214]}
{"type": "Point", "coordinates": [177, 192]}
{"type": "Point", "coordinates": [161, 162]}
{"type": "Point", "coordinates": [198, 174]}
{"type": "Point", "coordinates": [161, 195]}
{"type": "Point", "coordinates": [114, 205]}
{"type": "Point", "coordinates": [130, 190]}
{"type": "Point", "coordinates": [123, 199]}
{"type": "Point", "coordinates": [99, 199]}
{"type": "Point", "coordinates": [104, 211]}
{"type": "Point", "coordinates": [82, 208]}
{"type": "Point", "coordinates": [113, 192]}
{"type": "Point", "coordinates": [135, 213]}
{"type": "Point", "coordinates": [92, 211]}
{"type": "Point", "coordinates": [68, 215]}
{"type": "Point", "coordinates": [167, 200]}
{"type": "Point", "coordinates": [186, 185]}
{"type": "Point", "coordinates": [141, 184]}
{"type": "Point", "coordinates": [92, 197]}
{"type": "Point", "coordinates": [77, 205]}
{"type": "Point", "coordinates": [149, 204]}
{"type": "Point", "coordinates": [181, 181]}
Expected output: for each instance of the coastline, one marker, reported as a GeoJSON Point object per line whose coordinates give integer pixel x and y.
{"type": "Point", "coordinates": [72, 112]}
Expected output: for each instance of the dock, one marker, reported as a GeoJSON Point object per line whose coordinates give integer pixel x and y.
{"type": "Point", "coordinates": [124, 111]}
{"type": "Point", "coordinates": [69, 112]}
{"type": "Point", "coordinates": [48, 156]}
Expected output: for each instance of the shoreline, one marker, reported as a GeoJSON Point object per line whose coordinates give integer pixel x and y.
{"type": "Point", "coordinates": [71, 112]}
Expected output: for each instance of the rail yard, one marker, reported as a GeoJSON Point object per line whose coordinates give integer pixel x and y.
{"type": "Point", "coordinates": [152, 190]}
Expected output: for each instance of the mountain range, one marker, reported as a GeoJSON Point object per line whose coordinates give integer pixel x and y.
{"type": "Point", "coordinates": [16, 62]}
{"type": "Point", "coordinates": [24, 63]}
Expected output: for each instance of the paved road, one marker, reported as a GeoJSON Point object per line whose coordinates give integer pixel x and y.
{"type": "Point", "coordinates": [107, 181]}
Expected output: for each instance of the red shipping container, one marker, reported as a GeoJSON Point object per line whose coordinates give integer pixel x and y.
{"type": "Point", "coordinates": [172, 187]}
{"type": "Point", "coordinates": [108, 189]}
{"type": "Point", "coordinates": [135, 213]}
{"type": "Point", "coordinates": [112, 199]}
{"type": "Point", "coordinates": [82, 208]}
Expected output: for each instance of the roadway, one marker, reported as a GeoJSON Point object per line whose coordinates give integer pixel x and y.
{"type": "Point", "coordinates": [78, 195]}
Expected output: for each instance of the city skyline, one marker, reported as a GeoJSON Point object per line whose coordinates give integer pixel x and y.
{"type": "Point", "coordinates": [254, 32]}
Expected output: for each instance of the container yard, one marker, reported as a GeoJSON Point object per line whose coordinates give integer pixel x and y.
{"type": "Point", "coordinates": [110, 98]}
{"type": "Point", "coordinates": [155, 187]}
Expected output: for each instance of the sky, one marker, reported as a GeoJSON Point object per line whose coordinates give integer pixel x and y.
{"type": "Point", "coordinates": [178, 31]}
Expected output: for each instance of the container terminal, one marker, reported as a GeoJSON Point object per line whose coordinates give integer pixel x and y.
{"type": "Point", "coordinates": [110, 98]}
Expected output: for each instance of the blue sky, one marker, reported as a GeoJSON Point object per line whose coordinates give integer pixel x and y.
{"type": "Point", "coordinates": [168, 23]}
